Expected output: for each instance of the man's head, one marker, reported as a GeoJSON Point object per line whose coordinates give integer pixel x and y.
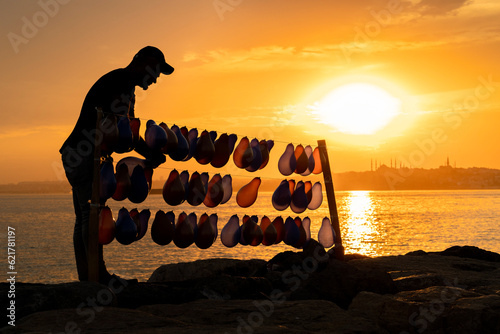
{"type": "Point", "coordinates": [148, 64]}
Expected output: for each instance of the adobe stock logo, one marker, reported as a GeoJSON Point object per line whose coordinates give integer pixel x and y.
{"type": "Point", "coordinates": [31, 26]}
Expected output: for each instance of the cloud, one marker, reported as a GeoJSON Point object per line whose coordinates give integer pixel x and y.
{"type": "Point", "coordinates": [441, 7]}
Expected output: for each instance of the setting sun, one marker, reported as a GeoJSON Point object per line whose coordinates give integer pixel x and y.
{"type": "Point", "coordinates": [358, 108]}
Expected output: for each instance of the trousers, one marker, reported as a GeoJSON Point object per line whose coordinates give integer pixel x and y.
{"type": "Point", "coordinates": [79, 172]}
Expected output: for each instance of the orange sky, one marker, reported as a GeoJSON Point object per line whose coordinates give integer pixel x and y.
{"type": "Point", "coordinates": [254, 68]}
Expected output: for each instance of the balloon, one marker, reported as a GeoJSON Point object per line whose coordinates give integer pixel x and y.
{"type": "Point", "coordinates": [172, 141]}
{"type": "Point", "coordinates": [205, 149]}
{"type": "Point", "coordinates": [318, 167]}
{"type": "Point", "coordinates": [317, 197]}
{"type": "Point", "coordinates": [162, 229]}
{"type": "Point", "coordinates": [131, 163]}
{"type": "Point", "coordinates": [174, 192]}
{"type": "Point", "coordinates": [292, 232]}
{"type": "Point", "coordinates": [291, 185]}
{"type": "Point", "coordinates": [213, 220]}
{"type": "Point", "coordinates": [155, 137]}
{"type": "Point", "coordinates": [282, 197]}
{"type": "Point", "coordinates": [108, 128]}
{"type": "Point", "coordinates": [270, 232]}
{"type": "Point", "coordinates": [310, 158]}
{"type": "Point", "coordinates": [247, 195]}
{"type": "Point", "coordinates": [107, 186]}
{"type": "Point", "coordinates": [232, 141]}
{"type": "Point", "coordinates": [148, 173]}
{"type": "Point", "coordinates": [107, 226]}
{"type": "Point", "coordinates": [257, 156]}
{"type": "Point", "coordinates": [183, 233]}
{"type": "Point", "coordinates": [227, 186]}
{"type": "Point", "coordinates": [182, 149]}
{"type": "Point", "coordinates": [243, 154]}
{"type": "Point", "coordinates": [134, 214]}
{"type": "Point", "coordinates": [193, 220]}
{"type": "Point", "coordinates": [144, 216]}
{"type": "Point", "coordinates": [306, 224]}
{"type": "Point", "coordinates": [222, 152]}
{"type": "Point", "coordinates": [139, 189]}
{"type": "Point", "coordinates": [326, 235]}
{"type": "Point", "coordinates": [135, 125]}
{"type": "Point", "coordinates": [184, 176]}
{"type": "Point", "coordinates": [299, 198]}
{"type": "Point", "coordinates": [231, 232]}
{"type": "Point", "coordinates": [215, 192]}
{"type": "Point", "coordinates": [123, 183]}
{"type": "Point", "coordinates": [279, 225]}
{"type": "Point", "coordinates": [197, 192]}
{"type": "Point", "coordinates": [251, 233]}
{"type": "Point", "coordinates": [302, 159]}
{"type": "Point", "coordinates": [308, 191]}
{"type": "Point", "coordinates": [126, 229]}
{"type": "Point", "coordinates": [302, 233]}
{"type": "Point", "coordinates": [192, 138]}
{"type": "Point", "coordinates": [126, 138]}
{"type": "Point", "coordinates": [287, 162]}
{"type": "Point", "coordinates": [206, 233]}
{"type": "Point", "coordinates": [265, 148]}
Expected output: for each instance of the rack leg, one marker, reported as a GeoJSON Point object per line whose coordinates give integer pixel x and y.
{"type": "Point", "coordinates": [332, 204]}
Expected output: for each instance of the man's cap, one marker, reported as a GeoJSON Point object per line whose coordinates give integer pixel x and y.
{"type": "Point", "coordinates": [151, 51]}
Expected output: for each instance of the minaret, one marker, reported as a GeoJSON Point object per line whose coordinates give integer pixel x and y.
{"type": "Point", "coordinates": [448, 161]}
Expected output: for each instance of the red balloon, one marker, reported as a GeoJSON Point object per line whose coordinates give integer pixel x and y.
{"type": "Point", "coordinates": [247, 195]}
{"type": "Point", "coordinates": [106, 226]}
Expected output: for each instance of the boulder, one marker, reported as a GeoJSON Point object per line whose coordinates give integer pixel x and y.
{"type": "Point", "coordinates": [32, 297]}
{"type": "Point", "coordinates": [470, 252]}
{"type": "Point", "coordinates": [207, 268]}
{"type": "Point", "coordinates": [339, 282]}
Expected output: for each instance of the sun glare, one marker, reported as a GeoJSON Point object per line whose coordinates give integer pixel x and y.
{"type": "Point", "coordinates": [358, 108]}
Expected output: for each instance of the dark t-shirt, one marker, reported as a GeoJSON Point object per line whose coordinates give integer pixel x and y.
{"type": "Point", "coordinates": [113, 92]}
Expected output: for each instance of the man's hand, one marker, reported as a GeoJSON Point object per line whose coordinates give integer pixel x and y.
{"type": "Point", "coordinates": [156, 158]}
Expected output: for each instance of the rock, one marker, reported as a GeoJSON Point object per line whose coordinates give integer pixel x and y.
{"type": "Point", "coordinates": [99, 320]}
{"type": "Point", "coordinates": [417, 282]}
{"type": "Point", "coordinates": [471, 252]}
{"type": "Point", "coordinates": [441, 294]}
{"type": "Point", "coordinates": [417, 253]}
{"type": "Point", "coordinates": [338, 282]}
{"type": "Point", "coordinates": [265, 316]}
{"type": "Point", "coordinates": [203, 316]}
{"type": "Point", "coordinates": [32, 298]}
{"type": "Point", "coordinates": [208, 268]}
{"type": "Point", "coordinates": [385, 311]}
{"type": "Point", "coordinates": [475, 315]}
{"type": "Point", "coordinates": [473, 266]}
{"type": "Point", "coordinates": [449, 268]}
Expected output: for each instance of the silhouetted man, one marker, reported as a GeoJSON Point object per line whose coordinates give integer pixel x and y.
{"type": "Point", "coordinates": [113, 93]}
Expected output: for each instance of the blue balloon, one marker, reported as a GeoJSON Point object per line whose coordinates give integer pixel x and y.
{"type": "Point", "coordinates": [126, 229]}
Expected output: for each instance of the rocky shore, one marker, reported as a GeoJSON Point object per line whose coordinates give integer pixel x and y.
{"type": "Point", "coordinates": [309, 291]}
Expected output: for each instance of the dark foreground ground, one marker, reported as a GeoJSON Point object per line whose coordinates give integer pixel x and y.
{"type": "Point", "coordinates": [454, 291]}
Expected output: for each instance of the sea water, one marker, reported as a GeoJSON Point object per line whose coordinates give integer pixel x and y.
{"type": "Point", "coordinates": [373, 223]}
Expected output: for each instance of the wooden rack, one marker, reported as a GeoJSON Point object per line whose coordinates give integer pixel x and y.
{"type": "Point", "coordinates": [93, 248]}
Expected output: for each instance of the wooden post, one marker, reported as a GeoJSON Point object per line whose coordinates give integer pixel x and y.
{"type": "Point", "coordinates": [93, 241]}
{"type": "Point", "coordinates": [330, 194]}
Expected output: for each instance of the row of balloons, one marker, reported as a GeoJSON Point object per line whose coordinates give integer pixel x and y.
{"type": "Point", "coordinates": [132, 180]}
{"type": "Point", "coordinates": [122, 135]}
{"type": "Point", "coordinates": [131, 226]}
{"type": "Point", "coordinates": [181, 144]}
